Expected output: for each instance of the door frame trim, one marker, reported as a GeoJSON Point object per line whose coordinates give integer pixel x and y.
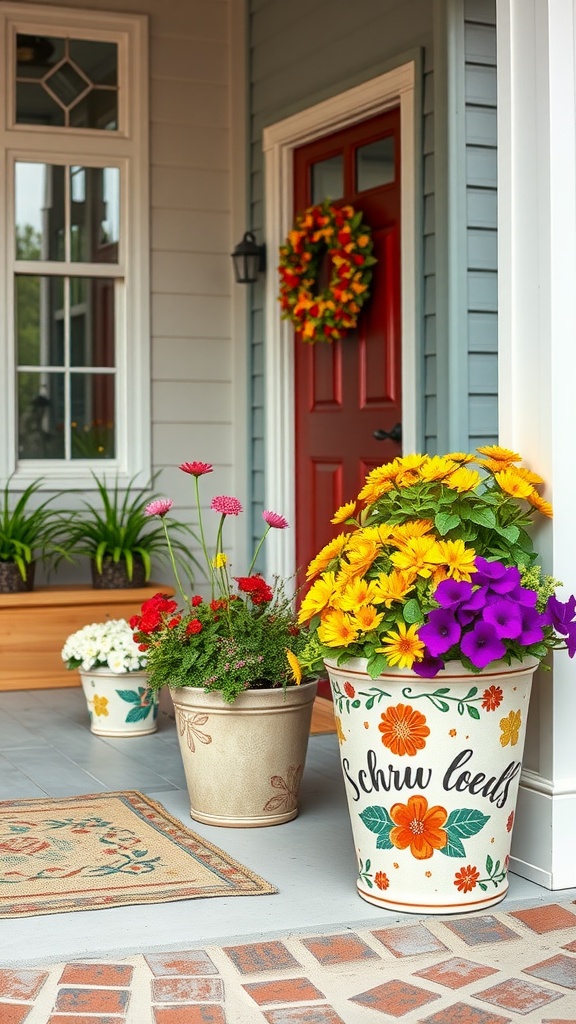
{"type": "Point", "coordinates": [394, 88]}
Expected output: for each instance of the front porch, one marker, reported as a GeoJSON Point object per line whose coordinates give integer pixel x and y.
{"type": "Point", "coordinates": [46, 748]}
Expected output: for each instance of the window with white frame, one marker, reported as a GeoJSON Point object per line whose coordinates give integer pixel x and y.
{"type": "Point", "coordinates": [74, 273]}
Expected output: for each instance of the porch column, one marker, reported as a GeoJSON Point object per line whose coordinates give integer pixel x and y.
{"type": "Point", "coordinates": [537, 377]}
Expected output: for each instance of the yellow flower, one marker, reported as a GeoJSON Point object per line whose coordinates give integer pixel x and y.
{"type": "Point", "coordinates": [537, 501]}
{"type": "Point", "coordinates": [528, 475]}
{"type": "Point", "coordinates": [413, 461]}
{"type": "Point", "coordinates": [100, 705]}
{"type": "Point", "coordinates": [295, 237]}
{"type": "Point", "coordinates": [510, 727]}
{"type": "Point", "coordinates": [358, 288]}
{"type": "Point", "coordinates": [373, 490]}
{"type": "Point", "coordinates": [219, 560]}
{"type": "Point", "coordinates": [402, 648]}
{"type": "Point", "coordinates": [360, 553]}
{"type": "Point", "coordinates": [458, 558]}
{"type": "Point", "coordinates": [419, 554]}
{"type": "Point", "coordinates": [329, 553]}
{"type": "Point", "coordinates": [295, 666]}
{"type": "Point", "coordinates": [382, 534]}
{"type": "Point", "coordinates": [339, 729]}
{"type": "Point", "coordinates": [359, 592]}
{"type": "Point", "coordinates": [461, 457]}
{"type": "Point", "coordinates": [367, 618]}
{"type": "Point", "coordinates": [344, 512]}
{"type": "Point", "coordinates": [309, 329]}
{"type": "Point", "coordinates": [437, 467]}
{"type": "Point", "coordinates": [362, 241]}
{"type": "Point", "coordinates": [318, 597]}
{"type": "Point", "coordinates": [394, 587]}
{"type": "Point", "coordinates": [509, 481]}
{"type": "Point", "coordinates": [337, 629]}
{"type": "Point", "coordinates": [412, 528]}
{"type": "Point", "coordinates": [494, 451]}
{"type": "Point", "coordinates": [463, 479]}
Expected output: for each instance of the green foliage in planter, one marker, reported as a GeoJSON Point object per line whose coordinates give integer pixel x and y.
{"type": "Point", "coordinates": [120, 530]}
{"type": "Point", "coordinates": [28, 533]}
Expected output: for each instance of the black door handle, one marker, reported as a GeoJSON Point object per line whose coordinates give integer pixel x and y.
{"type": "Point", "coordinates": [390, 435]}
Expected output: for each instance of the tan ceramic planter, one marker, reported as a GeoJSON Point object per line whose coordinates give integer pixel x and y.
{"type": "Point", "coordinates": [119, 704]}
{"type": "Point", "coordinates": [431, 769]}
{"type": "Point", "coordinates": [244, 761]}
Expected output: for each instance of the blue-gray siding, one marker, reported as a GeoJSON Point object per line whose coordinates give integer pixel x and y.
{"type": "Point", "coordinates": [481, 219]}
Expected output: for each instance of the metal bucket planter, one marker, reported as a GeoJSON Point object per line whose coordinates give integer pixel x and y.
{"type": "Point", "coordinates": [119, 704]}
{"type": "Point", "coordinates": [431, 769]}
{"type": "Point", "coordinates": [244, 761]}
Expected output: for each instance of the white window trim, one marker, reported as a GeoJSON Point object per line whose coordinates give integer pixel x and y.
{"type": "Point", "coordinates": [128, 149]}
{"type": "Point", "coordinates": [396, 87]}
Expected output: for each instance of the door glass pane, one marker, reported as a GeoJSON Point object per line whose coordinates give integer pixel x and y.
{"type": "Point", "coordinates": [327, 179]}
{"type": "Point", "coordinates": [98, 109]}
{"type": "Point", "coordinates": [375, 164]}
{"type": "Point", "coordinates": [39, 213]}
{"type": "Point", "coordinates": [36, 106]}
{"type": "Point", "coordinates": [37, 55]}
{"type": "Point", "coordinates": [39, 303]}
{"type": "Point", "coordinates": [92, 322]}
{"type": "Point", "coordinates": [98, 61]}
{"type": "Point", "coordinates": [41, 415]}
{"type": "Point", "coordinates": [95, 214]}
{"type": "Point", "coordinates": [92, 406]}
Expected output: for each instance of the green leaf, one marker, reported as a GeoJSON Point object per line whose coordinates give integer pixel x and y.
{"type": "Point", "coordinates": [473, 712]}
{"type": "Point", "coordinates": [489, 864]}
{"type": "Point", "coordinates": [510, 533]}
{"type": "Point", "coordinates": [130, 696]}
{"type": "Point", "coordinates": [445, 521]}
{"type": "Point", "coordinates": [413, 612]}
{"type": "Point", "coordinates": [376, 665]}
{"type": "Point", "coordinates": [379, 821]}
{"type": "Point", "coordinates": [454, 846]}
{"type": "Point", "coordinates": [466, 822]}
{"type": "Point", "coordinates": [137, 714]}
{"type": "Point", "coordinates": [483, 517]}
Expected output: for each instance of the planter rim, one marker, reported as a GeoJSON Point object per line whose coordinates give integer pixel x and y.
{"type": "Point", "coordinates": [251, 698]}
{"type": "Point", "coordinates": [104, 670]}
{"type": "Point", "coordinates": [451, 670]}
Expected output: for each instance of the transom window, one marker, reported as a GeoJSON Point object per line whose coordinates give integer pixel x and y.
{"type": "Point", "coordinates": [76, 330]}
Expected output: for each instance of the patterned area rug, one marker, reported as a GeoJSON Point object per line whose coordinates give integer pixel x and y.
{"type": "Point", "coordinates": [107, 850]}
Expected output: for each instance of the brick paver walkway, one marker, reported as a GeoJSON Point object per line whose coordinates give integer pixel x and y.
{"type": "Point", "coordinates": [473, 969]}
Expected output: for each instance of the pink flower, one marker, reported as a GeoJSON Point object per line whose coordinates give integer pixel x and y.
{"type": "Point", "coordinates": [158, 507]}
{"type": "Point", "coordinates": [226, 506]}
{"type": "Point", "coordinates": [196, 468]}
{"type": "Point", "coordinates": [275, 520]}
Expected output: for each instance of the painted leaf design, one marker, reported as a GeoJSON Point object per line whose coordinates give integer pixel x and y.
{"type": "Point", "coordinates": [130, 696]}
{"type": "Point", "coordinates": [137, 714]}
{"type": "Point", "coordinates": [379, 821]}
{"type": "Point", "coordinates": [465, 822]}
{"type": "Point", "coordinates": [278, 803]}
{"type": "Point", "coordinates": [454, 846]}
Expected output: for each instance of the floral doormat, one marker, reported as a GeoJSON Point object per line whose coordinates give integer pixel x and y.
{"type": "Point", "coordinates": [107, 850]}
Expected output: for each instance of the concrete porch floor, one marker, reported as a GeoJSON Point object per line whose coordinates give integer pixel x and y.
{"type": "Point", "coordinates": [314, 953]}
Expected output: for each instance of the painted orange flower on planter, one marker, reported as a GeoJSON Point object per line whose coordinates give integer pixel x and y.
{"type": "Point", "coordinates": [492, 698]}
{"type": "Point", "coordinates": [381, 880]}
{"type": "Point", "coordinates": [419, 827]}
{"type": "Point", "coordinates": [466, 879]}
{"type": "Point", "coordinates": [404, 730]}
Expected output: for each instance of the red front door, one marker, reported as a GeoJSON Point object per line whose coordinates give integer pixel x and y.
{"type": "Point", "coordinates": [349, 390]}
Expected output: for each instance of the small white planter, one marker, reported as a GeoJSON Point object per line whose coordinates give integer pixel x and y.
{"type": "Point", "coordinates": [431, 770]}
{"type": "Point", "coordinates": [244, 761]}
{"type": "Point", "coordinates": [119, 704]}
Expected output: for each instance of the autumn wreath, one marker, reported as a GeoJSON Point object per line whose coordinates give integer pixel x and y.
{"type": "Point", "coordinates": [340, 233]}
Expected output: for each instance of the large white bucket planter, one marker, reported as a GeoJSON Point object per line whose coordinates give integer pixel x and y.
{"type": "Point", "coordinates": [244, 761]}
{"type": "Point", "coordinates": [119, 704]}
{"type": "Point", "coordinates": [431, 769]}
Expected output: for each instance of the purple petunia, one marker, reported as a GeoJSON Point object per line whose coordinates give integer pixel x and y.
{"type": "Point", "coordinates": [506, 618]}
{"type": "Point", "coordinates": [441, 631]}
{"type": "Point", "coordinates": [498, 577]}
{"type": "Point", "coordinates": [532, 623]}
{"type": "Point", "coordinates": [428, 667]}
{"type": "Point", "coordinates": [482, 645]}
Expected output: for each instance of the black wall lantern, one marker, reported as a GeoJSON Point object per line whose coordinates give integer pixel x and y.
{"type": "Point", "coordinates": [249, 259]}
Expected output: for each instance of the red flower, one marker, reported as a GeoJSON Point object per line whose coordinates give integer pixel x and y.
{"type": "Point", "coordinates": [196, 600]}
{"type": "Point", "coordinates": [349, 690]}
{"type": "Point", "coordinates": [465, 879]}
{"type": "Point", "coordinates": [256, 587]}
{"type": "Point", "coordinates": [217, 604]}
{"type": "Point", "coordinates": [492, 698]}
{"type": "Point", "coordinates": [193, 627]}
{"type": "Point", "coordinates": [510, 821]}
{"type": "Point", "coordinates": [196, 468]}
{"type": "Point", "coordinates": [381, 880]}
{"type": "Point", "coordinates": [23, 845]}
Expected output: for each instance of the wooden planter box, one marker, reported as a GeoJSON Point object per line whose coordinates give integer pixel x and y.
{"type": "Point", "coordinates": [34, 627]}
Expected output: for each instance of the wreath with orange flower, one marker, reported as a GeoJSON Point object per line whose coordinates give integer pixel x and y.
{"type": "Point", "coordinates": [339, 233]}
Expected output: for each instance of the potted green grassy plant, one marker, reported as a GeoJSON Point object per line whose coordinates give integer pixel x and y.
{"type": "Point", "coordinates": [27, 533]}
{"type": "Point", "coordinates": [121, 540]}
